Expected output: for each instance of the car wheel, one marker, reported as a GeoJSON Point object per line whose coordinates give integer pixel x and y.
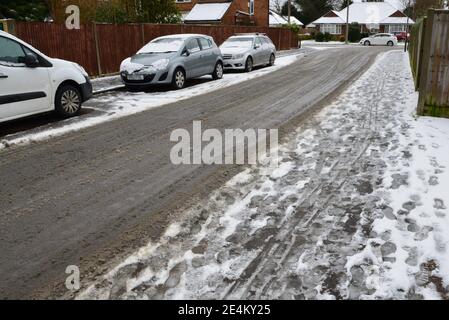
{"type": "Point", "coordinates": [218, 71]}
{"type": "Point", "coordinates": [367, 43]}
{"type": "Point", "coordinates": [272, 60]}
{"type": "Point", "coordinates": [179, 79]}
{"type": "Point", "coordinates": [390, 43]}
{"type": "Point", "coordinates": [68, 101]}
{"type": "Point", "coordinates": [249, 64]}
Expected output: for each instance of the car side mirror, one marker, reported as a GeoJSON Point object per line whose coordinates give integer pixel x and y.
{"type": "Point", "coordinates": [256, 46]}
{"type": "Point", "coordinates": [31, 60]}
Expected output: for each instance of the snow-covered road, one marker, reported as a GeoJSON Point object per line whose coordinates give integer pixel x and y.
{"type": "Point", "coordinates": [119, 104]}
{"type": "Point", "coordinates": [94, 196]}
{"type": "Point", "coordinates": [356, 210]}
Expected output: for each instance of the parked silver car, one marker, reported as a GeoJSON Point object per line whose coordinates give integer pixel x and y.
{"type": "Point", "coordinates": [246, 51]}
{"type": "Point", "coordinates": [172, 60]}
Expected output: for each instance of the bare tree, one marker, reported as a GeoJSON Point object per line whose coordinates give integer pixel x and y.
{"type": "Point", "coordinates": [421, 6]}
{"type": "Point", "coordinates": [277, 6]}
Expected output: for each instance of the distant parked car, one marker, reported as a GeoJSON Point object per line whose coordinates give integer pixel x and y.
{"type": "Point", "coordinates": [31, 82]}
{"type": "Point", "coordinates": [246, 51]}
{"type": "Point", "coordinates": [401, 36]}
{"type": "Point", "coordinates": [380, 39]}
{"type": "Point", "coordinates": [172, 60]}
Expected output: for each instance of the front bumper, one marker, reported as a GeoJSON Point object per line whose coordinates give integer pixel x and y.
{"type": "Point", "coordinates": [149, 78]}
{"type": "Point", "coordinates": [234, 64]}
{"type": "Point", "coordinates": [86, 90]}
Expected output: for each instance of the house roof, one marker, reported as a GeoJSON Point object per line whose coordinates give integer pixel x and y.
{"type": "Point", "coordinates": [397, 20]}
{"type": "Point", "coordinates": [277, 19]}
{"type": "Point", "coordinates": [330, 17]}
{"type": "Point", "coordinates": [208, 12]}
{"type": "Point", "coordinates": [366, 13]}
{"type": "Point", "coordinates": [294, 20]}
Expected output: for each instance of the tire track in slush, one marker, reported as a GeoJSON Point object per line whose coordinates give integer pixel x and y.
{"type": "Point", "coordinates": [275, 247]}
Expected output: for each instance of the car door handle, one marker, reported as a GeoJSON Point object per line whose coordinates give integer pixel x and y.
{"type": "Point", "coordinates": [3, 76]}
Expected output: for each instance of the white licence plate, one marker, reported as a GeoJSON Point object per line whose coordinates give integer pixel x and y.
{"type": "Point", "coordinates": [135, 77]}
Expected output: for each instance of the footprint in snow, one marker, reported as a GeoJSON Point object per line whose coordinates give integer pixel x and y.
{"type": "Point", "coordinates": [433, 181]}
{"type": "Point", "coordinates": [439, 204]}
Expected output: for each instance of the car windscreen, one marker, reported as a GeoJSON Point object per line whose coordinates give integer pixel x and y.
{"type": "Point", "coordinates": [246, 43]}
{"type": "Point", "coordinates": [162, 45]}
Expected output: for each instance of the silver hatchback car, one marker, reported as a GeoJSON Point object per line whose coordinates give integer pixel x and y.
{"type": "Point", "coordinates": [246, 51]}
{"type": "Point", "coordinates": [172, 60]}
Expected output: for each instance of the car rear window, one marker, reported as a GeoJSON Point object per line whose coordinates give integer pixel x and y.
{"type": "Point", "coordinates": [205, 43]}
{"type": "Point", "coordinates": [238, 42]}
{"type": "Point", "coordinates": [267, 40]}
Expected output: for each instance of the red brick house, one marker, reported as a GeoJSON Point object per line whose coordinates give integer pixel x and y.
{"type": "Point", "coordinates": [372, 17]}
{"type": "Point", "coordinates": [225, 12]}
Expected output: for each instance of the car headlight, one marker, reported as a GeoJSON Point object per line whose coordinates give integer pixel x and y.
{"type": "Point", "coordinates": [80, 69]}
{"type": "Point", "coordinates": [238, 56]}
{"type": "Point", "coordinates": [160, 64]}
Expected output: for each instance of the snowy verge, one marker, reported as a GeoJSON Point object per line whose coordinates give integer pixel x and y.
{"type": "Point", "coordinates": [407, 255]}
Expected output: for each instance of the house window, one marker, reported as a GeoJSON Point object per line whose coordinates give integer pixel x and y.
{"type": "Point", "coordinates": [251, 7]}
{"type": "Point", "coordinates": [395, 28]}
{"type": "Point", "coordinates": [331, 28]}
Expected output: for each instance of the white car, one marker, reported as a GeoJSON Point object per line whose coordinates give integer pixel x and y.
{"type": "Point", "coordinates": [380, 39]}
{"type": "Point", "coordinates": [246, 51]}
{"type": "Point", "coordinates": [31, 82]}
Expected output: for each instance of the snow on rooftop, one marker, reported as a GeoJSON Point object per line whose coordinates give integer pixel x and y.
{"type": "Point", "coordinates": [365, 13]}
{"type": "Point", "coordinates": [294, 20]}
{"type": "Point", "coordinates": [208, 11]}
{"type": "Point", "coordinates": [276, 19]}
{"type": "Point", "coordinates": [324, 20]}
{"type": "Point", "coordinates": [398, 4]}
{"type": "Point", "coordinates": [397, 20]}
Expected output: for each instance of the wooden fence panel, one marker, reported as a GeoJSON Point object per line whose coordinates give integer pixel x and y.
{"type": "Point", "coordinates": [117, 42]}
{"type": "Point", "coordinates": [101, 47]}
{"type": "Point", "coordinates": [434, 80]}
{"type": "Point", "coordinates": [416, 49]}
{"type": "Point", "coordinates": [56, 41]}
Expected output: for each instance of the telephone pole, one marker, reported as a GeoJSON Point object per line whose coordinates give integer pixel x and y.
{"type": "Point", "coordinates": [289, 10]}
{"type": "Point", "coordinates": [347, 22]}
{"type": "Point", "coordinates": [408, 28]}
